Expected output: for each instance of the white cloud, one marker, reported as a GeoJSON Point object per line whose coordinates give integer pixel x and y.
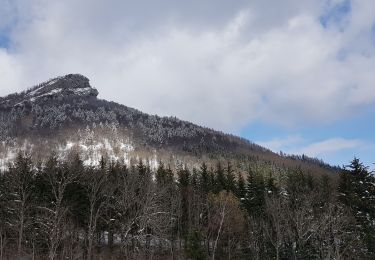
{"type": "Point", "coordinates": [10, 72]}
{"type": "Point", "coordinates": [223, 69]}
{"type": "Point", "coordinates": [282, 144]}
{"type": "Point", "coordinates": [296, 144]}
{"type": "Point", "coordinates": [328, 146]}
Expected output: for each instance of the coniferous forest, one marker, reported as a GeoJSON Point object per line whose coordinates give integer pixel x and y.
{"type": "Point", "coordinates": [65, 210]}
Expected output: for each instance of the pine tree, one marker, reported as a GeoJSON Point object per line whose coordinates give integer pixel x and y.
{"type": "Point", "coordinates": [144, 171]}
{"type": "Point", "coordinates": [75, 191]}
{"type": "Point", "coordinates": [194, 180]}
{"type": "Point", "coordinates": [230, 179]}
{"type": "Point", "coordinates": [255, 199]}
{"type": "Point", "coordinates": [102, 163]}
{"type": "Point", "coordinates": [220, 178]}
{"type": "Point", "coordinates": [204, 179]}
{"type": "Point", "coordinates": [112, 214]}
{"type": "Point", "coordinates": [271, 187]}
{"type": "Point", "coordinates": [169, 176]}
{"type": "Point", "coordinates": [161, 175]}
{"type": "Point", "coordinates": [357, 190]}
{"type": "Point", "coordinates": [297, 183]}
{"type": "Point", "coordinates": [183, 175]}
{"type": "Point", "coordinates": [241, 187]}
{"type": "Point", "coordinates": [212, 180]}
{"type": "Point", "coordinates": [326, 190]}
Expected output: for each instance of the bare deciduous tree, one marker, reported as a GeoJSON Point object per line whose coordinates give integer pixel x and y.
{"type": "Point", "coordinates": [276, 225]}
{"type": "Point", "coordinates": [53, 216]}
{"type": "Point", "coordinates": [98, 193]}
{"type": "Point", "coordinates": [226, 219]}
{"type": "Point", "coordinates": [21, 200]}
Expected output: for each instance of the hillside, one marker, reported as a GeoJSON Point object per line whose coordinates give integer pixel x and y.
{"type": "Point", "coordinates": [64, 114]}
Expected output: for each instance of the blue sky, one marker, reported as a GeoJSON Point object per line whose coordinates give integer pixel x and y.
{"type": "Point", "coordinates": [357, 132]}
{"type": "Point", "coordinates": [4, 40]}
{"type": "Point", "coordinates": [292, 75]}
{"type": "Point", "coordinates": [336, 13]}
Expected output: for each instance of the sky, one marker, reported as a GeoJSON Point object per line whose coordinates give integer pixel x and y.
{"type": "Point", "coordinates": [294, 76]}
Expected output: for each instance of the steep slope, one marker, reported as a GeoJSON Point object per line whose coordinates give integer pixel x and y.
{"type": "Point", "coordinates": [64, 115]}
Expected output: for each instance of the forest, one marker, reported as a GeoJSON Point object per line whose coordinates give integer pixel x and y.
{"type": "Point", "coordinates": [65, 210]}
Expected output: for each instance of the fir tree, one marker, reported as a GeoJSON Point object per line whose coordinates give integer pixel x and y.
{"type": "Point", "coordinates": [161, 175]}
{"type": "Point", "coordinates": [357, 190]}
{"type": "Point", "coordinates": [212, 180]}
{"type": "Point", "coordinates": [241, 187]}
{"type": "Point", "coordinates": [194, 180]}
{"type": "Point", "coordinates": [230, 179]}
{"type": "Point", "coordinates": [254, 199]}
{"type": "Point", "coordinates": [183, 175]}
{"type": "Point", "coordinates": [271, 187]}
{"type": "Point", "coordinates": [220, 178]}
{"type": "Point", "coordinates": [169, 177]}
{"type": "Point", "coordinates": [204, 179]}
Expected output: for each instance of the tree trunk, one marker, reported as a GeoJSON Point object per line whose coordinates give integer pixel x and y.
{"type": "Point", "coordinates": [1, 245]}
{"type": "Point", "coordinates": [89, 246]}
{"type": "Point", "coordinates": [91, 230]}
{"type": "Point", "coordinates": [229, 250]}
{"type": "Point", "coordinates": [20, 236]}
{"type": "Point", "coordinates": [277, 252]}
{"type": "Point", "coordinates": [218, 233]}
{"type": "Point", "coordinates": [172, 249]}
{"type": "Point", "coordinates": [110, 239]}
{"type": "Point", "coordinates": [33, 257]}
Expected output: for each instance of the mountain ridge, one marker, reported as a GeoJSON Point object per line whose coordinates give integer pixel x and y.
{"type": "Point", "coordinates": [60, 109]}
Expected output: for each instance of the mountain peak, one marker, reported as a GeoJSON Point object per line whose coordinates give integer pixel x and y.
{"type": "Point", "coordinates": [71, 85]}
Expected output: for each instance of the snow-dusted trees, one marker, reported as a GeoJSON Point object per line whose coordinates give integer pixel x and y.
{"type": "Point", "coordinates": [142, 216]}
{"type": "Point", "coordinates": [357, 191]}
{"type": "Point", "coordinates": [304, 221]}
{"type": "Point", "coordinates": [62, 209]}
{"type": "Point", "coordinates": [53, 215]}
{"type": "Point", "coordinates": [21, 202]}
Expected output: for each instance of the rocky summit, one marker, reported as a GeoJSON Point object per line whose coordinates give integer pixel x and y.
{"type": "Point", "coordinates": [72, 85]}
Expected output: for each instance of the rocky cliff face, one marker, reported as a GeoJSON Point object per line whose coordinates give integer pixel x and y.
{"type": "Point", "coordinates": [72, 85]}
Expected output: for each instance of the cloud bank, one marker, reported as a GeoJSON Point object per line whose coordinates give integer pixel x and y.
{"type": "Point", "coordinates": [298, 145]}
{"type": "Point", "coordinates": [220, 64]}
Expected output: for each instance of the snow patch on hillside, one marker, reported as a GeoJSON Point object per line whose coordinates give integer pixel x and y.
{"type": "Point", "coordinates": [9, 153]}
{"type": "Point", "coordinates": [38, 90]}
{"type": "Point", "coordinates": [5, 159]}
{"type": "Point", "coordinates": [91, 152]}
{"type": "Point", "coordinates": [81, 91]}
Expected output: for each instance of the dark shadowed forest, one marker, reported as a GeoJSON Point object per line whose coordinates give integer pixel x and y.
{"type": "Point", "coordinates": [64, 210]}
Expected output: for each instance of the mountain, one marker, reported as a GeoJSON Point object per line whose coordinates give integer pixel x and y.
{"type": "Point", "coordinates": [64, 115]}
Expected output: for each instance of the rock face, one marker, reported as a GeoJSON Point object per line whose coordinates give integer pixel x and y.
{"type": "Point", "coordinates": [72, 85]}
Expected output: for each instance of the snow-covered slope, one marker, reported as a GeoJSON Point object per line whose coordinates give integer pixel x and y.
{"type": "Point", "coordinates": [64, 115]}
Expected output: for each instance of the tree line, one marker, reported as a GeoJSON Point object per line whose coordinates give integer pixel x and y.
{"type": "Point", "coordinates": [65, 210]}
